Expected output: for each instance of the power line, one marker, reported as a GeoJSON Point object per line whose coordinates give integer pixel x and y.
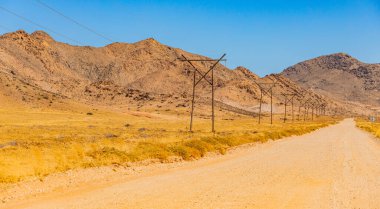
{"type": "Point", "coordinates": [38, 25]}
{"type": "Point", "coordinates": [74, 21]}
{"type": "Point", "coordinates": [4, 27]}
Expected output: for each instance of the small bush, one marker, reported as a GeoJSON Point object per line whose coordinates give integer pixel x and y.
{"type": "Point", "coordinates": [107, 155]}
{"type": "Point", "coordinates": [110, 135]}
{"type": "Point", "coordinates": [145, 150]}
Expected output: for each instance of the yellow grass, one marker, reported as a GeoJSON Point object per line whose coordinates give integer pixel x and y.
{"type": "Point", "coordinates": [38, 143]}
{"type": "Point", "coordinates": [369, 126]}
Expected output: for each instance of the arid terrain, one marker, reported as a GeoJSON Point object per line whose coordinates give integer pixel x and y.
{"type": "Point", "coordinates": [338, 76]}
{"type": "Point", "coordinates": [37, 71]}
{"type": "Point", "coordinates": [108, 127]}
{"type": "Point", "coordinates": [329, 168]}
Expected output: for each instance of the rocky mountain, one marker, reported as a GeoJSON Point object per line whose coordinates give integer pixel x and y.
{"type": "Point", "coordinates": [339, 76]}
{"type": "Point", "coordinates": [36, 70]}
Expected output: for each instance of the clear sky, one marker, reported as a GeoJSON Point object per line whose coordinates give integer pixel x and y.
{"type": "Point", "coordinates": [265, 36]}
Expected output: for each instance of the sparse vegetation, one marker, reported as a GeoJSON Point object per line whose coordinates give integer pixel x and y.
{"type": "Point", "coordinates": [38, 143]}
{"type": "Point", "coordinates": [369, 126]}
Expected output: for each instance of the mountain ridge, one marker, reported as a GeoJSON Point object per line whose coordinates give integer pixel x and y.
{"type": "Point", "coordinates": [144, 74]}
{"type": "Point", "coordinates": [338, 75]}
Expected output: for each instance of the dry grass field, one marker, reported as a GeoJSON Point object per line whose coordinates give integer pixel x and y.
{"type": "Point", "coordinates": [369, 126]}
{"type": "Point", "coordinates": [35, 143]}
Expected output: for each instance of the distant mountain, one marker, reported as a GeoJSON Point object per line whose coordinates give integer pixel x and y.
{"type": "Point", "coordinates": [35, 69]}
{"type": "Point", "coordinates": [338, 76]}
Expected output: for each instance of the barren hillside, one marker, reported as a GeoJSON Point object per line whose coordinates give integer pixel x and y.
{"type": "Point", "coordinates": [339, 76]}
{"type": "Point", "coordinates": [38, 71]}
{"type": "Point", "coordinates": [35, 69]}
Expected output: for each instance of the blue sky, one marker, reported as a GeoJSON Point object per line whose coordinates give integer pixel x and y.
{"type": "Point", "coordinates": [264, 36]}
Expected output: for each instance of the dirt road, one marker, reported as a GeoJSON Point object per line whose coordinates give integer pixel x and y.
{"type": "Point", "coordinates": [334, 167]}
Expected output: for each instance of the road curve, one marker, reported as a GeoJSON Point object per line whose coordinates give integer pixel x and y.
{"type": "Point", "coordinates": [334, 167]}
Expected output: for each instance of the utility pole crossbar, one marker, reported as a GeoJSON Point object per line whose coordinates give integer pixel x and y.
{"type": "Point", "coordinates": [200, 60]}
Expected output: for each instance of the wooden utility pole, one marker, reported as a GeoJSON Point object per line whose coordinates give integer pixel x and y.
{"type": "Point", "coordinates": [261, 101]}
{"type": "Point", "coordinates": [313, 108]}
{"type": "Point", "coordinates": [300, 98]}
{"type": "Point", "coordinates": [306, 111]}
{"type": "Point", "coordinates": [323, 108]}
{"type": "Point", "coordinates": [271, 105]}
{"type": "Point", "coordinates": [316, 106]}
{"type": "Point", "coordinates": [292, 110]}
{"type": "Point", "coordinates": [192, 103]}
{"type": "Point", "coordinates": [299, 112]}
{"type": "Point", "coordinates": [269, 92]}
{"type": "Point", "coordinates": [203, 77]}
{"type": "Point", "coordinates": [288, 98]}
{"type": "Point", "coordinates": [301, 104]}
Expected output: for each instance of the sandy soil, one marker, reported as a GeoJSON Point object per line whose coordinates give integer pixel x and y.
{"type": "Point", "coordinates": [334, 167]}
